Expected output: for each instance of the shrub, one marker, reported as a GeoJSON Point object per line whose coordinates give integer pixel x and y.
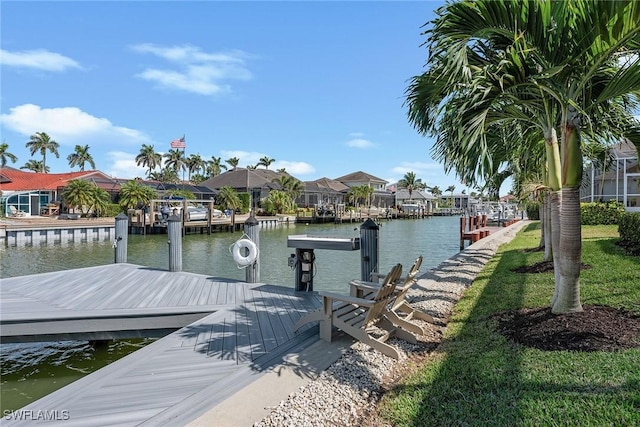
{"type": "Point", "coordinates": [601, 213]}
{"type": "Point", "coordinates": [245, 199]}
{"type": "Point", "coordinates": [533, 210]}
{"type": "Point", "coordinates": [112, 210]}
{"type": "Point", "coordinates": [629, 229]}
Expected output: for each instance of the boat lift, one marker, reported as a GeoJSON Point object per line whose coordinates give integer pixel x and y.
{"type": "Point", "coordinates": [304, 258]}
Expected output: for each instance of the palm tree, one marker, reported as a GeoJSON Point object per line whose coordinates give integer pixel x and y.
{"type": "Point", "coordinates": [36, 166]}
{"type": "Point", "coordinates": [79, 194]}
{"type": "Point", "coordinates": [228, 198]}
{"type": "Point", "coordinates": [134, 194]}
{"type": "Point", "coordinates": [194, 163]}
{"type": "Point", "coordinates": [41, 142]}
{"type": "Point", "coordinates": [546, 68]}
{"type": "Point", "coordinates": [233, 162]}
{"type": "Point", "coordinates": [81, 156]}
{"type": "Point", "coordinates": [359, 192]}
{"type": "Point", "coordinates": [290, 185]}
{"type": "Point", "coordinates": [265, 161]}
{"type": "Point", "coordinates": [5, 155]}
{"type": "Point", "coordinates": [165, 175]}
{"type": "Point", "coordinates": [410, 183]}
{"type": "Point", "coordinates": [174, 160]}
{"type": "Point", "coordinates": [436, 191]}
{"type": "Point", "coordinates": [215, 166]}
{"type": "Point", "coordinates": [148, 158]}
{"type": "Point", "coordinates": [101, 201]}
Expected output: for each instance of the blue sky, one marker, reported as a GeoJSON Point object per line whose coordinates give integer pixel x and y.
{"type": "Point", "coordinates": [317, 86]}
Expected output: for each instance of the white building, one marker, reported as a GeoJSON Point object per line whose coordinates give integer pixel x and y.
{"type": "Point", "coordinates": [620, 181]}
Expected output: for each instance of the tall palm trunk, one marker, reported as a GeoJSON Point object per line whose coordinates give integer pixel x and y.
{"type": "Point", "coordinates": [553, 177]}
{"type": "Point", "coordinates": [542, 213]}
{"type": "Point", "coordinates": [570, 247]}
{"type": "Point", "coordinates": [555, 225]}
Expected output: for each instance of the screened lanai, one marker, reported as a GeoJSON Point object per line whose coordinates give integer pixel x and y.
{"type": "Point", "coordinates": [619, 180]}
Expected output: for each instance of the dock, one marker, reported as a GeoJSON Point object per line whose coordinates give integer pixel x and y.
{"type": "Point", "coordinates": [242, 330]}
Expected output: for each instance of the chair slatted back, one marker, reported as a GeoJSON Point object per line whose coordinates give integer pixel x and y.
{"type": "Point", "coordinates": [383, 295]}
{"type": "Point", "coordinates": [408, 281]}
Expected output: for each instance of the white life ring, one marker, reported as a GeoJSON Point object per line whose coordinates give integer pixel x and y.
{"type": "Point", "coordinates": [239, 257]}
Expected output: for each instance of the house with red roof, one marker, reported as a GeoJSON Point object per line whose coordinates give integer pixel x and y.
{"type": "Point", "coordinates": [32, 192]}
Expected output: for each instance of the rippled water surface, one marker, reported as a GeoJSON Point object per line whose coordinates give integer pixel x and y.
{"type": "Point", "coordinates": [30, 371]}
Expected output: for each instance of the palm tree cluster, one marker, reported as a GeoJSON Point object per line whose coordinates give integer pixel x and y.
{"type": "Point", "coordinates": [360, 193]}
{"type": "Point", "coordinates": [505, 78]}
{"type": "Point", "coordinates": [85, 196]}
{"type": "Point", "coordinates": [167, 167]}
{"type": "Point", "coordinates": [41, 143]}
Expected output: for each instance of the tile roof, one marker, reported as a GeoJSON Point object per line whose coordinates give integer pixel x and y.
{"type": "Point", "coordinates": [242, 178]}
{"type": "Point", "coordinates": [360, 177]}
{"type": "Point", "coordinates": [17, 180]}
{"type": "Point", "coordinates": [326, 184]}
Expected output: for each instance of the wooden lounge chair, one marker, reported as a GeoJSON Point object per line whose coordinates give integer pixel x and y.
{"type": "Point", "coordinates": [358, 316]}
{"type": "Point", "coordinates": [399, 306]}
{"type": "Point", "coordinates": [13, 211]}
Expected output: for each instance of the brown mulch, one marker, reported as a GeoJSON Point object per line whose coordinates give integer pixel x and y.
{"type": "Point", "coordinates": [597, 328]}
{"type": "Point", "coordinates": [542, 267]}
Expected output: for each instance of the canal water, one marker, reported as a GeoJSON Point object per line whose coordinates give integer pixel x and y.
{"type": "Point", "coordinates": [30, 371]}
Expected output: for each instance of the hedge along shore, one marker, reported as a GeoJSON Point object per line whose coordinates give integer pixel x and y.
{"type": "Point", "coordinates": [348, 391]}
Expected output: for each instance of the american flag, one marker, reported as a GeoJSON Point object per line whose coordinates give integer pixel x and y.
{"type": "Point", "coordinates": [179, 143]}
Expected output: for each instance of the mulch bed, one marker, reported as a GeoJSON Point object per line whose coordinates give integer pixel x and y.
{"type": "Point", "coordinates": [597, 328]}
{"type": "Point", "coordinates": [542, 267]}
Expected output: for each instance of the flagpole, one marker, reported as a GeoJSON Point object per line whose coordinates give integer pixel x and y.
{"type": "Point", "coordinates": [184, 157]}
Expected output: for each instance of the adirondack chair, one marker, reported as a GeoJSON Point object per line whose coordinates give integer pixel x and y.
{"type": "Point", "coordinates": [358, 316]}
{"type": "Point", "coordinates": [13, 211]}
{"type": "Point", "coordinates": [399, 306]}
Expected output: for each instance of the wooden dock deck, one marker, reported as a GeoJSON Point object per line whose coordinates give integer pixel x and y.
{"type": "Point", "coordinates": [177, 378]}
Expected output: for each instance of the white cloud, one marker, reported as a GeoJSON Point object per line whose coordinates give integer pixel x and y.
{"type": "Point", "coordinates": [294, 168]}
{"type": "Point", "coordinates": [69, 126]}
{"type": "Point", "coordinates": [123, 165]}
{"type": "Point", "coordinates": [39, 59]}
{"type": "Point", "coordinates": [360, 143]}
{"type": "Point", "coordinates": [252, 158]}
{"type": "Point", "coordinates": [417, 167]}
{"type": "Point", "coordinates": [246, 157]}
{"type": "Point", "coordinates": [194, 70]}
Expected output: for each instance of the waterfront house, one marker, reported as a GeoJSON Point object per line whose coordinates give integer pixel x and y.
{"type": "Point", "coordinates": [36, 193]}
{"type": "Point", "coordinates": [257, 182]}
{"type": "Point", "coordinates": [423, 200]}
{"type": "Point", "coordinates": [381, 197]}
{"type": "Point", "coordinates": [323, 192]}
{"type": "Point", "coordinates": [620, 179]}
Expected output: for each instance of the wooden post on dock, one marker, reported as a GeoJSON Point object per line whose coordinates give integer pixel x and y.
{"type": "Point", "coordinates": [120, 242]}
{"type": "Point", "coordinates": [369, 249]}
{"type": "Point", "coordinates": [174, 234]}
{"type": "Point", "coordinates": [252, 230]}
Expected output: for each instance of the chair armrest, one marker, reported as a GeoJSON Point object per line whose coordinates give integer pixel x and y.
{"type": "Point", "coordinates": [368, 286]}
{"type": "Point", "coordinates": [348, 299]}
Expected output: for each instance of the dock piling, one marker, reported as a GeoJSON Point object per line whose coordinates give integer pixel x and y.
{"type": "Point", "coordinates": [369, 249]}
{"type": "Point", "coordinates": [252, 230]}
{"type": "Point", "coordinates": [174, 232]}
{"type": "Point", "coordinates": [121, 238]}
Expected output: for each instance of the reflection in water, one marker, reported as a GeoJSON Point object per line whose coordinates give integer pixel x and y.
{"type": "Point", "coordinates": [30, 371]}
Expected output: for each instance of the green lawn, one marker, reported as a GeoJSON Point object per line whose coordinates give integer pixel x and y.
{"type": "Point", "coordinates": [477, 377]}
